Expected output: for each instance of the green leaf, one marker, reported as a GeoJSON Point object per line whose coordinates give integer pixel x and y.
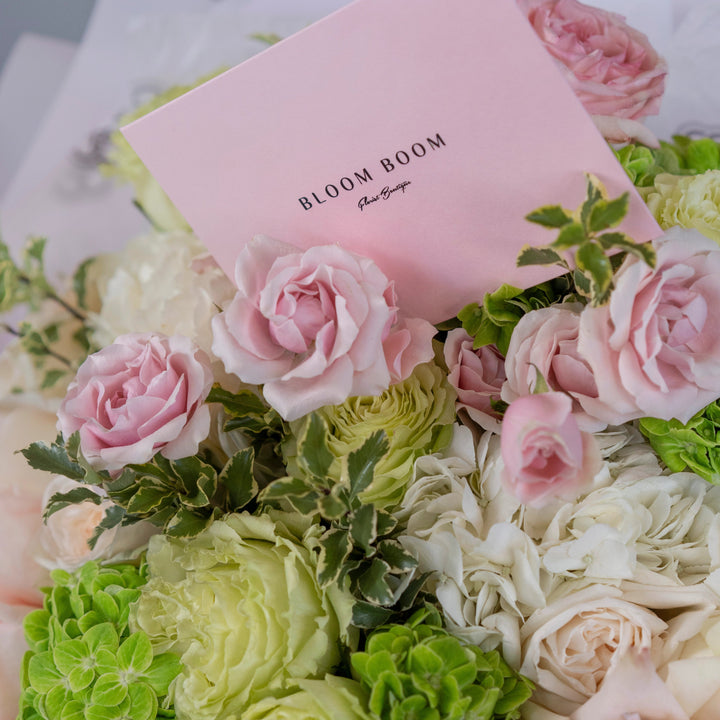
{"type": "Point", "coordinates": [363, 527]}
{"type": "Point", "coordinates": [595, 192]}
{"type": "Point", "coordinates": [147, 499]}
{"type": "Point", "coordinates": [135, 653]}
{"type": "Point", "coordinates": [43, 675]}
{"type": "Point", "coordinates": [366, 615]}
{"type": "Point", "coordinates": [79, 282]}
{"type": "Point", "coordinates": [592, 261]}
{"type": "Point", "coordinates": [702, 155]}
{"type": "Point", "coordinates": [313, 453]}
{"type": "Point", "coordinates": [69, 654]}
{"type": "Point", "coordinates": [331, 507]}
{"type": "Point", "coordinates": [644, 251]}
{"type": "Point", "coordinates": [361, 463]}
{"type": "Point", "coordinates": [53, 459]}
{"type": "Point", "coordinates": [552, 216]}
{"type": "Point", "coordinates": [73, 710]}
{"type": "Point", "coordinates": [51, 377]}
{"type": "Point", "coordinates": [530, 255]}
{"type": "Point", "coordinates": [73, 497]}
{"type": "Point", "coordinates": [267, 38]}
{"type": "Point", "coordinates": [399, 559]}
{"type": "Point", "coordinates": [237, 477]}
{"type": "Point", "coordinates": [608, 213]}
{"type": "Point", "coordinates": [335, 547]}
{"type": "Point", "coordinates": [113, 517]}
{"type": "Point", "coordinates": [373, 583]}
{"type": "Point", "coordinates": [103, 635]}
{"type": "Point", "coordinates": [571, 235]}
{"type": "Point", "coordinates": [186, 523]}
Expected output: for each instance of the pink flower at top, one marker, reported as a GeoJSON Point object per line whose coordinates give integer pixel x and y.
{"type": "Point", "coordinates": [477, 376]}
{"type": "Point", "coordinates": [544, 452]}
{"type": "Point", "coordinates": [315, 327]}
{"type": "Point", "coordinates": [612, 68]}
{"type": "Point", "coordinates": [143, 394]}
{"type": "Point", "coordinates": [654, 348]}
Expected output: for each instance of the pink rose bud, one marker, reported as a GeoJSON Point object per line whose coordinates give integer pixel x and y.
{"type": "Point", "coordinates": [315, 327]}
{"type": "Point", "coordinates": [545, 453]}
{"type": "Point", "coordinates": [143, 394]}
{"type": "Point", "coordinates": [477, 376]}
{"type": "Point", "coordinates": [612, 68]}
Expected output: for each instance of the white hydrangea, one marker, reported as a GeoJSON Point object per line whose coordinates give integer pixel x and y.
{"type": "Point", "coordinates": [164, 282]}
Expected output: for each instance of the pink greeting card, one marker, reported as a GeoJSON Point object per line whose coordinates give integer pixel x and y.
{"type": "Point", "coordinates": [416, 132]}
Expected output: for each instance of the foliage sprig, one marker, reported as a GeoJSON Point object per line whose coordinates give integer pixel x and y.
{"type": "Point", "coordinates": [359, 542]}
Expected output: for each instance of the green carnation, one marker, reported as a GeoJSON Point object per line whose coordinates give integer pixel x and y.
{"type": "Point", "coordinates": [420, 671]}
{"type": "Point", "coordinates": [416, 415]}
{"type": "Point", "coordinates": [694, 446]}
{"type": "Point", "coordinates": [84, 663]}
{"type": "Point", "coordinates": [690, 201]}
{"type": "Point", "coordinates": [241, 604]}
{"type": "Point", "coordinates": [333, 698]}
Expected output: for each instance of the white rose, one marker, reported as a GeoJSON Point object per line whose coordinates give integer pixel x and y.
{"type": "Point", "coordinates": [689, 660]}
{"type": "Point", "coordinates": [162, 283]}
{"type": "Point", "coordinates": [65, 535]}
{"type": "Point", "coordinates": [569, 646]}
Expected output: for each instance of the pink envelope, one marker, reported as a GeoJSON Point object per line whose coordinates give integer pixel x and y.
{"type": "Point", "coordinates": [416, 132]}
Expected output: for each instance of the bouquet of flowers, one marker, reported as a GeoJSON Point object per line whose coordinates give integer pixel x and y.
{"type": "Point", "coordinates": [281, 498]}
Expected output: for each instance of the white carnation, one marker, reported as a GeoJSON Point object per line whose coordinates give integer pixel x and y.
{"type": "Point", "coordinates": [162, 283]}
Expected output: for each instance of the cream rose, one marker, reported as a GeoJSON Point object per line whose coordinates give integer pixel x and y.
{"type": "Point", "coordinates": [571, 645]}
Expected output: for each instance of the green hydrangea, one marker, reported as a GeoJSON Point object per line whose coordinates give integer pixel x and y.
{"type": "Point", "coordinates": [123, 163]}
{"type": "Point", "coordinates": [334, 698]}
{"type": "Point", "coordinates": [416, 415]}
{"type": "Point", "coordinates": [241, 604]}
{"type": "Point", "coordinates": [694, 446]}
{"type": "Point", "coordinates": [83, 662]}
{"type": "Point", "coordinates": [418, 671]}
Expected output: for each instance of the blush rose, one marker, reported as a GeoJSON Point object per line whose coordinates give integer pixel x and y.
{"type": "Point", "coordinates": [544, 452]}
{"type": "Point", "coordinates": [546, 341]}
{"type": "Point", "coordinates": [612, 68]}
{"type": "Point", "coordinates": [654, 347]}
{"type": "Point", "coordinates": [315, 327]}
{"type": "Point", "coordinates": [143, 394]}
{"type": "Point", "coordinates": [477, 376]}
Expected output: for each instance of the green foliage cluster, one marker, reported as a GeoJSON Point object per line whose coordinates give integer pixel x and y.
{"type": "Point", "coordinates": [684, 156]}
{"type": "Point", "coordinates": [83, 662]}
{"type": "Point", "coordinates": [359, 542]}
{"type": "Point", "coordinates": [25, 283]}
{"type": "Point", "coordinates": [493, 322]}
{"type": "Point", "coordinates": [180, 496]}
{"type": "Point", "coordinates": [583, 229]}
{"type": "Point", "coordinates": [694, 446]}
{"type": "Point", "coordinates": [418, 670]}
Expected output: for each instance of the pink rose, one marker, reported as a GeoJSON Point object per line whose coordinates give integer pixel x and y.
{"type": "Point", "coordinates": [544, 452]}
{"type": "Point", "coordinates": [143, 394]}
{"type": "Point", "coordinates": [315, 327]}
{"type": "Point", "coordinates": [477, 376]}
{"type": "Point", "coordinates": [612, 68]}
{"type": "Point", "coordinates": [654, 347]}
{"type": "Point", "coordinates": [545, 340]}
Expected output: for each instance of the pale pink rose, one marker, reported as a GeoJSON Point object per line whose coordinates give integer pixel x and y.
{"type": "Point", "coordinates": [544, 452]}
{"type": "Point", "coordinates": [477, 376]}
{"type": "Point", "coordinates": [64, 537]}
{"type": "Point", "coordinates": [611, 67]}
{"type": "Point", "coordinates": [12, 650]}
{"type": "Point", "coordinates": [654, 347]}
{"type": "Point", "coordinates": [632, 691]}
{"type": "Point", "coordinates": [21, 504]}
{"type": "Point", "coordinates": [546, 340]}
{"type": "Point", "coordinates": [315, 327]}
{"type": "Point", "coordinates": [143, 394]}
